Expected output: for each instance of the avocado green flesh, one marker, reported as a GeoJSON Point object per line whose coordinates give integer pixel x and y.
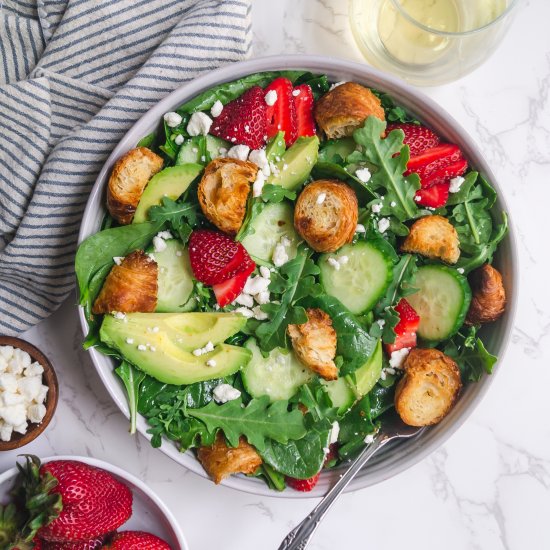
{"type": "Point", "coordinates": [170, 182]}
{"type": "Point", "coordinates": [296, 163]}
{"type": "Point", "coordinates": [276, 147]}
{"type": "Point", "coordinates": [368, 374]}
{"type": "Point", "coordinates": [170, 338]}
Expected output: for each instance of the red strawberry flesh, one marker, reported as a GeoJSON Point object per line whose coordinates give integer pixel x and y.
{"type": "Point", "coordinates": [303, 485]}
{"type": "Point", "coordinates": [434, 196]}
{"type": "Point", "coordinates": [405, 330]}
{"type": "Point", "coordinates": [227, 291]}
{"type": "Point", "coordinates": [417, 137]}
{"type": "Point", "coordinates": [243, 120]}
{"type": "Point", "coordinates": [303, 101]}
{"type": "Point", "coordinates": [215, 257]}
{"type": "Point", "coordinates": [281, 116]}
{"type": "Point", "coordinates": [433, 159]}
{"type": "Point", "coordinates": [137, 540]}
{"type": "Point", "coordinates": [94, 502]}
{"type": "Point", "coordinates": [445, 173]}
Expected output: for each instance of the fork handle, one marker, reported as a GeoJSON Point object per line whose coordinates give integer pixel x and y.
{"type": "Point", "coordinates": [301, 535]}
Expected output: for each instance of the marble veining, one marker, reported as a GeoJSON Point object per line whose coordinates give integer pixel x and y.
{"type": "Point", "coordinates": [488, 487]}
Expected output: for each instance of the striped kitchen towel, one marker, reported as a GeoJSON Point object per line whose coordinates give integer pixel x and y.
{"type": "Point", "coordinates": [74, 76]}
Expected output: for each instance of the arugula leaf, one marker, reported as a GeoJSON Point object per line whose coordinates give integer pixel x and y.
{"type": "Point", "coordinates": [259, 421]}
{"type": "Point", "coordinates": [132, 379]}
{"type": "Point", "coordinates": [394, 113]}
{"type": "Point", "coordinates": [354, 343]}
{"type": "Point", "coordinates": [473, 223]}
{"type": "Point", "coordinates": [466, 191]}
{"type": "Point", "coordinates": [315, 398]}
{"type": "Point", "coordinates": [389, 177]}
{"type": "Point", "coordinates": [276, 193]}
{"type": "Point", "coordinates": [319, 83]}
{"type": "Point", "coordinates": [470, 354]}
{"type": "Point", "coordinates": [294, 281]}
{"type": "Point", "coordinates": [182, 216]}
{"type": "Point", "coordinates": [301, 458]}
{"type": "Point", "coordinates": [254, 207]}
{"type": "Point", "coordinates": [400, 287]}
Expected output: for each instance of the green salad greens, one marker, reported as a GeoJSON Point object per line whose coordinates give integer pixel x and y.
{"type": "Point", "coordinates": [295, 355]}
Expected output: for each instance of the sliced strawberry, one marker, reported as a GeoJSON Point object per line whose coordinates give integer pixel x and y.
{"type": "Point", "coordinates": [227, 291]}
{"type": "Point", "coordinates": [418, 138]}
{"type": "Point", "coordinates": [215, 257]}
{"type": "Point", "coordinates": [303, 101]}
{"type": "Point", "coordinates": [243, 120]}
{"type": "Point", "coordinates": [281, 116]}
{"type": "Point", "coordinates": [433, 159]}
{"type": "Point", "coordinates": [405, 330]}
{"type": "Point", "coordinates": [445, 173]}
{"type": "Point", "coordinates": [434, 196]}
{"type": "Point", "coordinates": [303, 485]}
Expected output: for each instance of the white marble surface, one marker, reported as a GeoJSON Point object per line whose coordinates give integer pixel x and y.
{"type": "Point", "coordinates": [488, 487]}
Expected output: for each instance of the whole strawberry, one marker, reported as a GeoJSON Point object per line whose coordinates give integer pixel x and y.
{"type": "Point", "coordinates": [243, 120]}
{"type": "Point", "coordinates": [137, 540]}
{"type": "Point", "coordinates": [94, 502]}
{"type": "Point", "coordinates": [93, 544]}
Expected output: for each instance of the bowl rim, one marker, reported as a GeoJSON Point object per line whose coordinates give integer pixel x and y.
{"type": "Point", "coordinates": [49, 378]}
{"type": "Point", "coordinates": [119, 472]}
{"type": "Point", "coordinates": [427, 110]}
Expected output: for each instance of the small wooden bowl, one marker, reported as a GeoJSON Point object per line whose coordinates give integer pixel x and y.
{"type": "Point", "coordinates": [48, 379]}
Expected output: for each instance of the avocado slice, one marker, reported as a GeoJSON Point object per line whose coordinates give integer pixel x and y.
{"type": "Point", "coordinates": [299, 161]}
{"type": "Point", "coordinates": [170, 182]}
{"type": "Point", "coordinates": [276, 147]}
{"type": "Point", "coordinates": [190, 151]}
{"type": "Point", "coordinates": [169, 340]}
{"type": "Point", "coordinates": [368, 374]}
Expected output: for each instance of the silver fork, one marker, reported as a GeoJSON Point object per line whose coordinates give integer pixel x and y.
{"type": "Point", "coordinates": [392, 428]}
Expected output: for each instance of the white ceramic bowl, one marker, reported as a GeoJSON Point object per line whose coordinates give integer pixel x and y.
{"type": "Point", "coordinates": [405, 454]}
{"type": "Point", "coordinates": [149, 513]}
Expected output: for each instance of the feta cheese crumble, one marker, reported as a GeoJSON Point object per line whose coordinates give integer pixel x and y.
{"type": "Point", "coordinates": [22, 393]}
{"type": "Point", "coordinates": [295, 93]}
{"type": "Point", "coordinates": [239, 152]}
{"type": "Point", "coordinates": [376, 208]}
{"type": "Point", "coordinates": [336, 84]}
{"type": "Point", "coordinates": [199, 124]}
{"type": "Point", "coordinates": [118, 259]}
{"type": "Point", "coordinates": [360, 228]}
{"type": "Point", "coordinates": [258, 184]}
{"type": "Point", "coordinates": [334, 432]}
{"type": "Point", "coordinates": [172, 119]}
{"type": "Point", "coordinates": [369, 439]}
{"type": "Point", "coordinates": [456, 184]}
{"type": "Point", "coordinates": [217, 109]}
{"type": "Point", "coordinates": [259, 158]}
{"type": "Point", "coordinates": [178, 140]}
{"type": "Point", "coordinates": [398, 357]}
{"type": "Point", "coordinates": [363, 174]}
{"type": "Point", "coordinates": [383, 225]}
{"type": "Point", "coordinates": [321, 198]}
{"type": "Point", "coordinates": [206, 349]}
{"type": "Point", "coordinates": [225, 392]}
{"type": "Point", "coordinates": [280, 254]}
{"type": "Point", "coordinates": [271, 97]}
{"type": "Point", "coordinates": [333, 262]}
{"type": "Point", "coordinates": [211, 363]}
{"type": "Point", "coordinates": [460, 270]}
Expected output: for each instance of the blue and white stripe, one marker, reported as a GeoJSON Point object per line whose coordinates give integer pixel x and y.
{"type": "Point", "coordinates": [74, 77]}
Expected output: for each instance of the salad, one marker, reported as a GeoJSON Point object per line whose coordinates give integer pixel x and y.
{"type": "Point", "coordinates": [282, 262]}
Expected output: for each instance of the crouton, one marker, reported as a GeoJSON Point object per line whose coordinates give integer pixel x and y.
{"type": "Point", "coordinates": [488, 296]}
{"type": "Point", "coordinates": [344, 109]}
{"type": "Point", "coordinates": [130, 175]}
{"type": "Point", "coordinates": [326, 215]}
{"type": "Point", "coordinates": [220, 461]}
{"type": "Point", "coordinates": [314, 343]}
{"type": "Point", "coordinates": [428, 389]}
{"type": "Point", "coordinates": [433, 237]}
{"type": "Point", "coordinates": [223, 192]}
{"type": "Point", "coordinates": [130, 287]}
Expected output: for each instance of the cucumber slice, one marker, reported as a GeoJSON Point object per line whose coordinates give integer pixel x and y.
{"type": "Point", "coordinates": [365, 377]}
{"type": "Point", "coordinates": [340, 394]}
{"type": "Point", "coordinates": [269, 226]}
{"type": "Point", "coordinates": [175, 279]}
{"type": "Point", "coordinates": [442, 301]}
{"type": "Point", "coordinates": [190, 151]}
{"type": "Point", "coordinates": [362, 280]}
{"type": "Point", "coordinates": [279, 375]}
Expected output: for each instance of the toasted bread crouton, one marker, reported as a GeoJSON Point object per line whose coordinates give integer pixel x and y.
{"type": "Point", "coordinates": [129, 177]}
{"type": "Point", "coordinates": [433, 237]}
{"type": "Point", "coordinates": [220, 461]}
{"type": "Point", "coordinates": [223, 192]}
{"type": "Point", "coordinates": [314, 343]}
{"type": "Point", "coordinates": [488, 296]}
{"type": "Point", "coordinates": [130, 287]}
{"type": "Point", "coordinates": [428, 389]}
{"type": "Point", "coordinates": [326, 215]}
{"type": "Point", "coordinates": [344, 108]}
